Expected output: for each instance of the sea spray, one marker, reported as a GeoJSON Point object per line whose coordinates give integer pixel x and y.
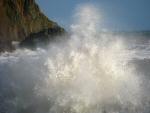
{"type": "Point", "coordinates": [89, 73]}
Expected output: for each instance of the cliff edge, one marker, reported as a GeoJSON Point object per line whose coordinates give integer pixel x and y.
{"type": "Point", "coordinates": [22, 21]}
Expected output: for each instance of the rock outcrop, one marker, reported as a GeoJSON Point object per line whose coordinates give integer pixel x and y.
{"type": "Point", "coordinates": [22, 21]}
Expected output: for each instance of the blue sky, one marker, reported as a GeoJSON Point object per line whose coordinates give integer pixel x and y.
{"type": "Point", "coordinates": [130, 15]}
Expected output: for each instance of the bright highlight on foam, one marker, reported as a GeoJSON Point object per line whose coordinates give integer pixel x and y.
{"type": "Point", "coordinates": [88, 73]}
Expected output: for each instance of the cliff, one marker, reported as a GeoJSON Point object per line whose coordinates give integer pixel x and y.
{"type": "Point", "coordinates": [21, 20]}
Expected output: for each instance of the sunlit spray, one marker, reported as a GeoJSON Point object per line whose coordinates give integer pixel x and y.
{"type": "Point", "coordinates": [89, 73]}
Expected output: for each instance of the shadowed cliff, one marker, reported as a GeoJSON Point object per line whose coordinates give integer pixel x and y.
{"type": "Point", "coordinates": [22, 20]}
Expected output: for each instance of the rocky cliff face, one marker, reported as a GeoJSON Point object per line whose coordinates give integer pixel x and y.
{"type": "Point", "coordinates": [22, 19]}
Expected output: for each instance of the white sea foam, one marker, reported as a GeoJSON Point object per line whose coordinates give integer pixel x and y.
{"type": "Point", "coordinates": [89, 73]}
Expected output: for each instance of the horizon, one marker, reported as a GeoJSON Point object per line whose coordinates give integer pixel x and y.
{"type": "Point", "coordinates": [129, 15]}
{"type": "Point", "coordinates": [96, 59]}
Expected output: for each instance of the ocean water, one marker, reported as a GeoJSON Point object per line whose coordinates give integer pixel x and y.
{"type": "Point", "coordinates": [90, 72]}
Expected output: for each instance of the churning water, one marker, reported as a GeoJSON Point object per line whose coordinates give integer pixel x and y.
{"type": "Point", "coordinates": [91, 72]}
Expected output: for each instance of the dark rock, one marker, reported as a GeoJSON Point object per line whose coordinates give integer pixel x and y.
{"type": "Point", "coordinates": [41, 38]}
{"type": "Point", "coordinates": [22, 21]}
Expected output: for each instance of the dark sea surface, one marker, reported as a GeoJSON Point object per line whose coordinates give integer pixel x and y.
{"type": "Point", "coordinates": [108, 73]}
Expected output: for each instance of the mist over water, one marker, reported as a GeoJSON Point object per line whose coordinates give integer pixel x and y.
{"type": "Point", "coordinates": [91, 72]}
